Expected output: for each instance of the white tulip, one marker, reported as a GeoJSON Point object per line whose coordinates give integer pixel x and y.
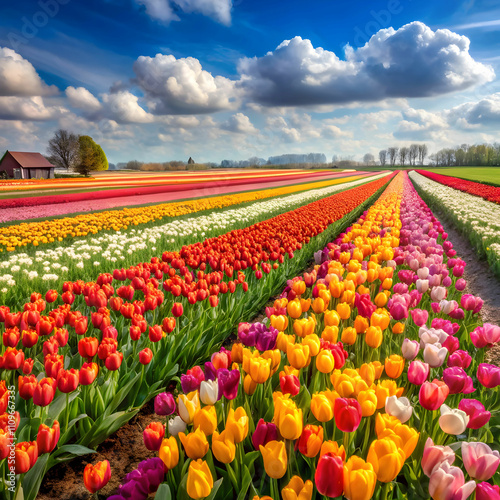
{"type": "Point", "coordinates": [422, 285]}
{"type": "Point", "coordinates": [400, 408]}
{"type": "Point", "coordinates": [434, 354]}
{"type": "Point", "coordinates": [453, 421]}
{"type": "Point", "coordinates": [209, 392]}
{"type": "Point", "coordinates": [176, 425]}
{"type": "Point", "coordinates": [410, 349]}
{"type": "Point", "coordinates": [438, 293]}
{"type": "Point", "coordinates": [423, 272]}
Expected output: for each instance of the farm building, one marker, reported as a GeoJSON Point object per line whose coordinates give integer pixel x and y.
{"type": "Point", "coordinates": [26, 165]}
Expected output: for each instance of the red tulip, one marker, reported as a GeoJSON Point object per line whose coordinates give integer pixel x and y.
{"type": "Point", "coordinates": [81, 325]}
{"type": "Point", "coordinates": [4, 397]}
{"type": "Point", "coordinates": [30, 338]}
{"type": "Point", "coordinates": [27, 386]}
{"type": "Point", "coordinates": [87, 347]}
{"type": "Point", "coordinates": [54, 363]}
{"type": "Point", "coordinates": [48, 437]}
{"type": "Point", "coordinates": [145, 356]}
{"type": "Point", "coordinates": [5, 443]}
{"type": "Point", "coordinates": [26, 456]}
{"type": "Point", "coordinates": [11, 337]}
{"type": "Point", "coordinates": [44, 392]}
{"type": "Point", "coordinates": [67, 380]}
{"type": "Point", "coordinates": [290, 384]}
{"type": "Point", "coordinates": [155, 333]}
{"type": "Point", "coordinates": [68, 297]}
{"type": "Point", "coordinates": [45, 326]}
{"type": "Point", "coordinates": [153, 435]}
{"type": "Point", "coordinates": [95, 477]}
{"type": "Point", "coordinates": [329, 476]}
{"type": "Point", "coordinates": [107, 347]}
{"type": "Point", "coordinates": [177, 309]}
{"type": "Point", "coordinates": [51, 296]}
{"type": "Point", "coordinates": [433, 394]}
{"type": "Point", "coordinates": [88, 373]}
{"type": "Point", "coordinates": [168, 325]}
{"type": "Point", "coordinates": [28, 366]}
{"type": "Point", "coordinates": [50, 346]}
{"type": "Point", "coordinates": [347, 413]}
{"type": "Point", "coordinates": [62, 336]}
{"type": "Point", "coordinates": [115, 303]}
{"type": "Point", "coordinates": [113, 361]}
{"type": "Point", "coordinates": [135, 333]}
{"type": "Point", "coordinates": [12, 359]}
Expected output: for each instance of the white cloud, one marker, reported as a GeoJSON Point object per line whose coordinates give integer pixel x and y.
{"type": "Point", "coordinates": [182, 86]}
{"type": "Point", "coordinates": [334, 132]}
{"type": "Point", "coordinates": [28, 108]}
{"type": "Point", "coordinates": [419, 124]}
{"type": "Point", "coordinates": [483, 112]}
{"type": "Point", "coordinates": [18, 77]}
{"type": "Point", "coordinates": [165, 10]}
{"type": "Point", "coordinates": [413, 61]}
{"type": "Point", "coordinates": [82, 99]}
{"type": "Point", "coordinates": [240, 124]}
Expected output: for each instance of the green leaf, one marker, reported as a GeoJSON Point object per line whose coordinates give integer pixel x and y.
{"type": "Point", "coordinates": [163, 492]}
{"type": "Point", "coordinates": [59, 404]}
{"type": "Point", "coordinates": [245, 484]}
{"type": "Point", "coordinates": [250, 458]}
{"type": "Point", "coordinates": [214, 490]}
{"type": "Point", "coordinates": [33, 478]}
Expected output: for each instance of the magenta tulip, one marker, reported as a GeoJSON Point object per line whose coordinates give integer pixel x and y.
{"type": "Point", "coordinates": [488, 375]}
{"type": "Point", "coordinates": [478, 415]}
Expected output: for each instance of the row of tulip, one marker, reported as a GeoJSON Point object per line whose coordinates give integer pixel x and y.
{"type": "Point", "coordinates": [486, 191]}
{"type": "Point", "coordinates": [290, 410]}
{"type": "Point", "coordinates": [56, 230]}
{"type": "Point", "coordinates": [477, 218]}
{"type": "Point", "coordinates": [87, 256]}
{"type": "Point", "coordinates": [86, 360]}
{"type": "Point", "coordinates": [99, 190]}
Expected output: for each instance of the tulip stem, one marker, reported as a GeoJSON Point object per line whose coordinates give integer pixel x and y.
{"type": "Point", "coordinates": [66, 415]}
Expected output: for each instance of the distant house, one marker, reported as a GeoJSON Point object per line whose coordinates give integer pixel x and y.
{"type": "Point", "coordinates": [26, 165]}
{"type": "Point", "coordinates": [190, 161]}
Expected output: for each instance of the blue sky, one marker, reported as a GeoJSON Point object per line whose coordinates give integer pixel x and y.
{"type": "Point", "coordinates": [157, 80]}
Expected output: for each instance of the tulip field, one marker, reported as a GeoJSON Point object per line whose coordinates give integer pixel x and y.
{"type": "Point", "coordinates": [306, 340]}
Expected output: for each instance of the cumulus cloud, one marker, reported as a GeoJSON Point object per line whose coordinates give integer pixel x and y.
{"type": "Point", "coordinates": [483, 112]}
{"type": "Point", "coordinates": [166, 10]}
{"type": "Point", "coordinates": [413, 61]}
{"type": "Point", "coordinates": [18, 77]}
{"type": "Point", "coordinates": [182, 86]}
{"type": "Point", "coordinates": [28, 108]}
{"type": "Point", "coordinates": [334, 132]}
{"type": "Point", "coordinates": [419, 124]}
{"type": "Point", "coordinates": [121, 106]}
{"type": "Point", "coordinates": [240, 124]}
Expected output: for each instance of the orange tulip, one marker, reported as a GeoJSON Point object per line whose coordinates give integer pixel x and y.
{"type": "Point", "coordinates": [95, 477]}
{"type": "Point", "coordinates": [394, 365]}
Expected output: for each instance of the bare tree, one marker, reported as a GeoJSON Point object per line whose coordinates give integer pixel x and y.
{"type": "Point", "coordinates": [403, 155]}
{"type": "Point", "coordinates": [413, 154]}
{"type": "Point", "coordinates": [422, 153]}
{"type": "Point", "coordinates": [63, 149]}
{"type": "Point", "coordinates": [393, 154]}
{"type": "Point", "coordinates": [368, 159]}
{"type": "Point", "coordinates": [382, 156]}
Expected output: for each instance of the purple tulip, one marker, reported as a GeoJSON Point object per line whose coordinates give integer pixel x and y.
{"type": "Point", "coordinates": [135, 486]}
{"type": "Point", "coordinates": [266, 339]}
{"type": "Point", "coordinates": [229, 381]}
{"type": "Point", "coordinates": [478, 415]}
{"type": "Point", "coordinates": [189, 383]}
{"type": "Point", "coordinates": [165, 404]}
{"type": "Point", "coordinates": [487, 491]}
{"type": "Point", "coordinates": [264, 432]}
{"type": "Point", "coordinates": [246, 334]}
{"type": "Point", "coordinates": [457, 380]}
{"type": "Point", "coordinates": [210, 371]}
{"type": "Point", "coordinates": [153, 469]}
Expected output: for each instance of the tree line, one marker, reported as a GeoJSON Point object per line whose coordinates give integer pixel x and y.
{"type": "Point", "coordinates": [406, 155]}
{"type": "Point", "coordinates": [468, 155]}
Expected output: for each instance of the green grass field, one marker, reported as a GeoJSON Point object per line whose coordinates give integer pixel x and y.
{"type": "Point", "coordinates": [490, 175]}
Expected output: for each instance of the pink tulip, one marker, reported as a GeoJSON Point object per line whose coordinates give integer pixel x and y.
{"type": "Point", "coordinates": [410, 348]}
{"type": "Point", "coordinates": [419, 316]}
{"type": "Point", "coordinates": [486, 491]}
{"type": "Point", "coordinates": [435, 354]}
{"type": "Point", "coordinates": [451, 344]}
{"type": "Point", "coordinates": [480, 460]}
{"type": "Point", "coordinates": [488, 375]}
{"type": "Point", "coordinates": [478, 415]}
{"type": "Point", "coordinates": [418, 372]}
{"type": "Point", "coordinates": [434, 456]}
{"type": "Point", "coordinates": [485, 335]}
{"type": "Point", "coordinates": [457, 380]}
{"type": "Point", "coordinates": [433, 394]}
{"type": "Point", "coordinates": [460, 284]}
{"type": "Point", "coordinates": [460, 358]}
{"type": "Point", "coordinates": [448, 483]}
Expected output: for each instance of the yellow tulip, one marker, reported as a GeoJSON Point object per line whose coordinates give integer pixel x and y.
{"type": "Point", "coordinates": [199, 481]}
{"type": "Point", "coordinates": [321, 407]}
{"type": "Point", "coordinates": [223, 447]}
{"type": "Point", "coordinates": [282, 341]}
{"type": "Point", "coordinates": [279, 322]}
{"type": "Point", "coordinates": [394, 365]}
{"type": "Point", "coordinates": [288, 418]}
{"type": "Point", "coordinates": [332, 447]}
{"type": "Point", "coordinates": [385, 421]}
{"type": "Point", "coordinates": [361, 324]}
{"type": "Point", "coordinates": [368, 402]}
{"type": "Point", "coordinates": [344, 310]}
{"type": "Point", "coordinates": [313, 342]}
{"type": "Point", "coordinates": [195, 443]}
{"type": "Point", "coordinates": [330, 334]}
{"type": "Point", "coordinates": [304, 326]}
{"type": "Point", "coordinates": [206, 420]}
{"type": "Point", "coordinates": [319, 305]}
{"type": "Point", "coordinates": [298, 355]}
{"type": "Point", "coordinates": [325, 362]}
{"type": "Point", "coordinates": [237, 424]}
{"type": "Point", "coordinates": [249, 385]}
{"type": "Point", "coordinates": [259, 369]}
{"type": "Point", "coordinates": [349, 335]}
{"type": "Point", "coordinates": [386, 458]}
{"type": "Point", "coordinates": [367, 373]}
{"type": "Point", "coordinates": [169, 452]}
{"type": "Point", "coordinates": [275, 459]}
{"type": "Point", "coordinates": [188, 405]}
{"type": "Point", "coordinates": [296, 489]}
{"type": "Point", "coordinates": [359, 479]}
{"type": "Point", "coordinates": [294, 309]}
{"type": "Point", "coordinates": [374, 336]}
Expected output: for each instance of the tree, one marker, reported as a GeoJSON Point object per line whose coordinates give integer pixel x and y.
{"type": "Point", "coordinates": [422, 153]}
{"type": "Point", "coordinates": [368, 159]}
{"type": "Point", "coordinates": [393, 154]}
{"type": "Point", "coordinates": [63, 149]}
{"type": "Point", "coordinates": [413, 153]}
{"type": "Point", "coordinates": [382, 156]}
{"type": "Point", "coordinates": [403, 155]}
{"type": "Point", "coordinates": [91, 156]}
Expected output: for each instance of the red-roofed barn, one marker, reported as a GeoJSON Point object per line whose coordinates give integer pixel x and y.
{"type": "Point", "coordinates": [30, 165]}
